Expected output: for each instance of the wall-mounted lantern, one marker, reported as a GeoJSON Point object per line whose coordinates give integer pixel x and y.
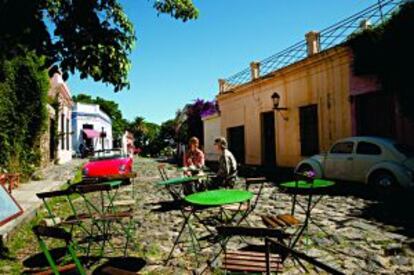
{"type": "Point", "coordinates": [276, 101]}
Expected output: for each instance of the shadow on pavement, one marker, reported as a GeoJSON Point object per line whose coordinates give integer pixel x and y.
{"type": "Point", "coordinates": [126, 265]}
{"type": "Point", "coordinates": [391, 207]}
{"type": "Point", "coordinates": [166, 206]}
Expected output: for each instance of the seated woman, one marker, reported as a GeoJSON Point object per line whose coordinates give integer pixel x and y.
{"type": "Point", "coordinates": [193, 163]}
{"type": "Point", "coordinates": [194, 157]}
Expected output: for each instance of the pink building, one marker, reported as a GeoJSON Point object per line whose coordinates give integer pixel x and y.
{"type": "Point", "coordinates": [56, 145]}
{"type": "Point", "coordinates": [376, 113]}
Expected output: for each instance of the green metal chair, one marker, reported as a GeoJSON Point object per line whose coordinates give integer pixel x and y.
{"type": "Point", "coordinates": [106, 218]}
{"type": "Point", "coordinates": [43, 232]}
{"type": "Point", "coordinates": [97, 224]}
{"type": "Point", "coordinates": [73, 264]}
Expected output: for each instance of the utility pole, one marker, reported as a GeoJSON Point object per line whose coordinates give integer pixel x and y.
{"type": "Point", "coordinates": [102, 138]}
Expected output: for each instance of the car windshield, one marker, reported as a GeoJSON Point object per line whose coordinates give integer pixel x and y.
{"type": "Point", "coordinates": [108, 154]}
{"type": "Point", "coordinates": [405, 150]}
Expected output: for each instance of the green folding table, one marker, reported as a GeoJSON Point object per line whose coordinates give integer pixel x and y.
{"type": "Point", "coordinates": [308, 187]}
{"type": "Point", "coordinates": [208, 199]}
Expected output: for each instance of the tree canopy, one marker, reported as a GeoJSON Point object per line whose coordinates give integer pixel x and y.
{"type": "Point", "coordinates": [193, 124]}
{"type": "Point", "coordinates": [93, 37]}
{"type": "Point", "coordinates": [146, 136]}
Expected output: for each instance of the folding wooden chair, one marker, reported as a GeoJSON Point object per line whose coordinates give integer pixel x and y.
{"type": "Point", "coordinates": [105, 217]}
{"type": "Point", "coordinates": [250, 206]}
{"type": "Point", "coordinates": [97, 224]}
{"type": "Point", "coordinates": [257, 261]}
{"type": "Point", "coordinates": [174, 190]}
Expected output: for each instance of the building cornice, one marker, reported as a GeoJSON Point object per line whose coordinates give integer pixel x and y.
{"type": "Point", "coordinates": [338, 51]}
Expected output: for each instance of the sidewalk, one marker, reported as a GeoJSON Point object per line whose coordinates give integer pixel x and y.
{"type": "Point", "coordinates": [54, 177]}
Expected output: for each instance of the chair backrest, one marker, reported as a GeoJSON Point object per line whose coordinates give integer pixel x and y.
{"type": "Point", "coordinates": [53, 194]}
{"type": "Point", "coordinates": [45, 196]}
{"type": "Point", "coordinates": [43, 232]}
{"type": "Point", "coordinates": [90, 188]}
{"type": "Point", "coordinates": [52, 232]}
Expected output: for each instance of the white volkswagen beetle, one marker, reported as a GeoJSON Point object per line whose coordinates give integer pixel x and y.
{"type": "Point", "coordinates": [373, 160]}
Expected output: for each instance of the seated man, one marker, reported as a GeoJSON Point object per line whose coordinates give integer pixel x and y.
{"type": "Point", "coordinates": [227, 171]}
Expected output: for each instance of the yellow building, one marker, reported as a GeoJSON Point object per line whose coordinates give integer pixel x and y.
{"type": "Point", "coordinates": [315, 93]}
{"type": "Point", "coordinates": [299, 101]}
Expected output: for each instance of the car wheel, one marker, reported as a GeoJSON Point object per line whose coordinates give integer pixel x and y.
{"type": "Point", "coordinates": [303, 168]}
{"type": "Point", "coordinates": [383, 179]}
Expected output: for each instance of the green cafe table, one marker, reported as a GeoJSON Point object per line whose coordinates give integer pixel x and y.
{"type": "Point", "coordinates": [209, 199]}
{"type": "Point", "coordinates": [308, 187]}
{"type": "Point", "coordinates": [172, 184]}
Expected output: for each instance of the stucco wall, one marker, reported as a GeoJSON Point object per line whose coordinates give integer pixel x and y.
{"type": "Point", "coordinates": [322, 79]}
{"type": "Point", "coordinates": [60, 90]}
{"type": "Point", "coordinates": [90, 114]}
{"type": "Point", "coordinates": [212, 128]}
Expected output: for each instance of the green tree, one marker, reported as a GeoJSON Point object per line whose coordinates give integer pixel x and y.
{"type": "Point", "coordinates": [145, 135]}
{"type": "Point", "coordinates": [93, 37]}
{"type": "Point", "coordinates": [138, 130]}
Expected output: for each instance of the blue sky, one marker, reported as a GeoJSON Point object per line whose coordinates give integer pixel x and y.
{"type": "Point", "coordinates": [174, 63]}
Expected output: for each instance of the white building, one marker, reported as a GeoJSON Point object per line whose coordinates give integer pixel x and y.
{"type": "Point", "coordinates": [212, 127]}
{"type": "Point", "coordinates": [91, 127]}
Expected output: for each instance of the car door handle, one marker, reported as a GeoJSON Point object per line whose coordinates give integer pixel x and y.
{"type": "Point", "coordinates": [350, 158]}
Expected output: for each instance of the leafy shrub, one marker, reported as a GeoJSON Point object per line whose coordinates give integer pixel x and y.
{"type": "Point", "coordinates": [23, 97]}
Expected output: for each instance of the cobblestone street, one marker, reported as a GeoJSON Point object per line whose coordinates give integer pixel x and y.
{"type": "Point", "coordinates": [368, 234]}
{"type": "Point", "coordinates": [362, 231]}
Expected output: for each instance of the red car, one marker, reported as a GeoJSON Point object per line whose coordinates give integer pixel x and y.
{"type": "Point", "coordinates": [107, 163]}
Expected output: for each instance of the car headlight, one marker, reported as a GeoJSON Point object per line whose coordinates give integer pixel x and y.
{"type": "Point", "coordinates": [85, 171]}
{"type": "Point", "coordinates": [122, 168]}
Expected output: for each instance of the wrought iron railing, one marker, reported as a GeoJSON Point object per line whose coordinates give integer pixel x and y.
{"type": "Point", "coordinates": [328, 38]}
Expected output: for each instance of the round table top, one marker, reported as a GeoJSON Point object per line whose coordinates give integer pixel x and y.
{"type": "Point", "coordinates": [317, 183]}
{"type": "Point", "coordinates": [179, 180]}
{"type": "Point", "coordinates": [219, 197]}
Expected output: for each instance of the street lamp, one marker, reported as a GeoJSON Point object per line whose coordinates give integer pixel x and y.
{"type": "Point", "coordinates": [276, 101]}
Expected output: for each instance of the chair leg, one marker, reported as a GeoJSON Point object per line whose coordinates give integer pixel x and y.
{"type": "Point", "coordinates": [49, 257]}
{"type": "Point", "coordinates": [76, 260]}
{"type": "Point", "coordinates": [178, 237]}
